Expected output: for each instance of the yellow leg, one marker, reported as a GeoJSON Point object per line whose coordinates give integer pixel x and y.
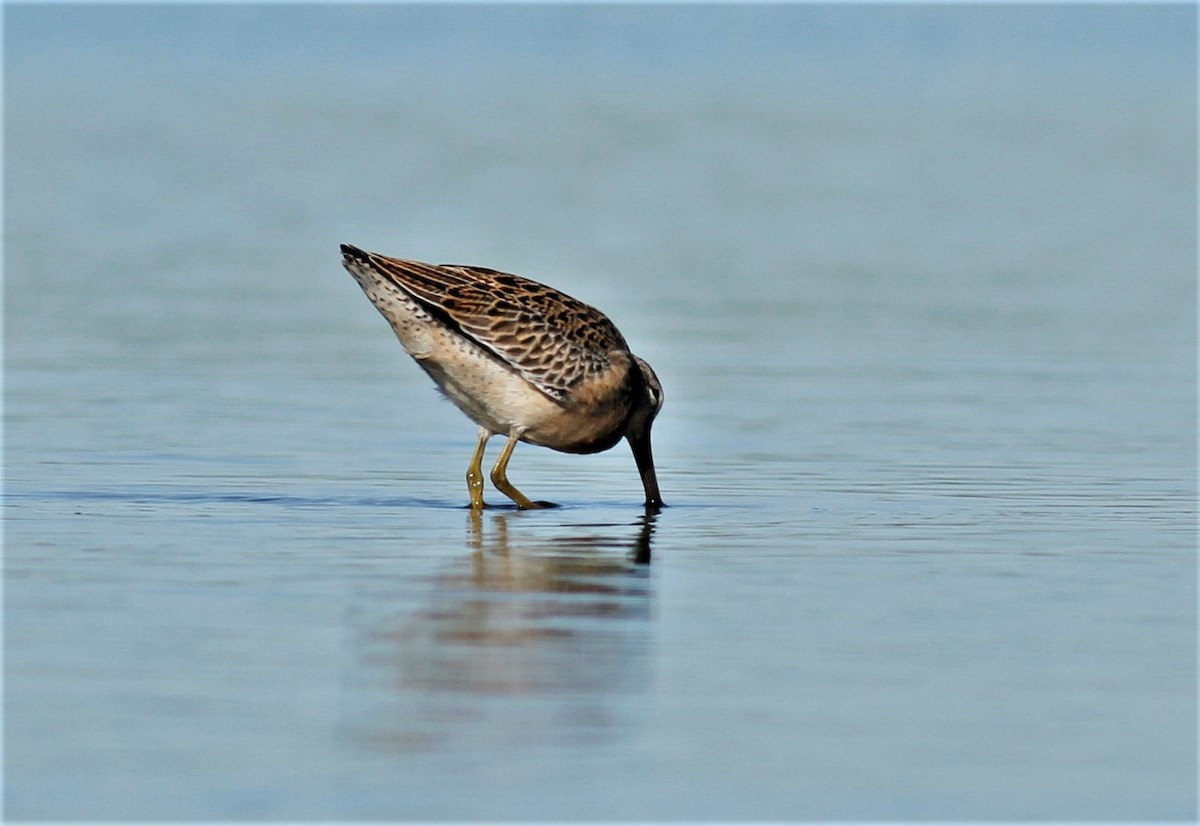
{"type": "Point", "coordinates": [500, 475]}
{"type": "Point", "coordinates": [475, 471]}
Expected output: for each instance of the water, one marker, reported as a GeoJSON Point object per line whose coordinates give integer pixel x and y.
{"type": "Point", "coordinates": [920, 285]}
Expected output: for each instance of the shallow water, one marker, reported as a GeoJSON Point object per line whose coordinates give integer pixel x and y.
{"type": "Point", "coordinates": [923, 305]}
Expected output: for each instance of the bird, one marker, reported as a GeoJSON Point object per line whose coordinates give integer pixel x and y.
{"type": "Point", "coordinates": [521, 360]}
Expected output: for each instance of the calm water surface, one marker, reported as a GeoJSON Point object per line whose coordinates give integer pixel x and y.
{"type": "Point", "coordinates": [923, 303]}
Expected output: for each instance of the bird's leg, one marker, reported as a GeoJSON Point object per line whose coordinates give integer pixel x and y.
{"type": "Point", "coordinates": [500, 475]}
{"type": "Point", "coordinates": [475, 471]}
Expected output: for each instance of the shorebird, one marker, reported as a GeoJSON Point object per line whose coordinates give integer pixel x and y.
{"type": "Point", "coordinates": [520, 359]}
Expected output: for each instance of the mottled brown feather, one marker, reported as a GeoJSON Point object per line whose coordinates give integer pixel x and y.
{"type": "Point", "coordinates": [553, 340]}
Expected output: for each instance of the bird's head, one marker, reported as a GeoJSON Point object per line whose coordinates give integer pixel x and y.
{"type": "Point", "coordinates": [647, 403]}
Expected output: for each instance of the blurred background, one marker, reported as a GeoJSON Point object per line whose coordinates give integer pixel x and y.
{"type": "Point", "coordinates": [920, 284]}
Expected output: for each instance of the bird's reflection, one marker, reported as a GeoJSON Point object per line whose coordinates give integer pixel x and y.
{"type": "Point", "coordinates": [553, 616]}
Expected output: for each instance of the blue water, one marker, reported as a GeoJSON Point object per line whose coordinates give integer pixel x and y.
{"type": "Point", "coordinates": [920, 283]}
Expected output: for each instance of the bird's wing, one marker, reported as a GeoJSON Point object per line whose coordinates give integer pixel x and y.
{"type": "Point", "coordinates": [553, 340]}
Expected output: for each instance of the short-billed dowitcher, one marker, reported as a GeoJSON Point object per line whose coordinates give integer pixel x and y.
{"type": "Point", "coordinates": [520, 359]}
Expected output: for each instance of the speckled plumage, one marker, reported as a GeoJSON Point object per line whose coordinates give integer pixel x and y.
{"type": "Point", "coordinates": [519, 358]}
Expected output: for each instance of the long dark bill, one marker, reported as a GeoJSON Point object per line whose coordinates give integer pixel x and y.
{"type": "Point", "coordinates": [645, 464]}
